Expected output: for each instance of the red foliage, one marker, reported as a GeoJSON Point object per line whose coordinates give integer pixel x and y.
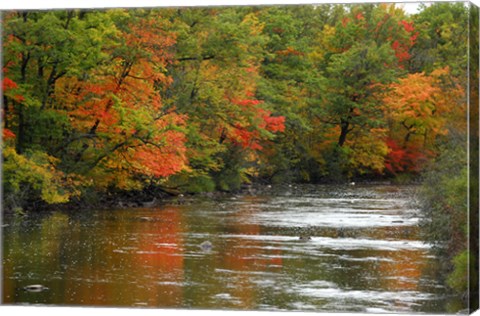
{"type": "Point", "coordinates": [19, 98]}
{"type": "Point", "coordinates": [402, 48]}
{"type": "Point", "coordinates": [408, 26]}
{"type": "Point", "coordinates": [246, 103]}
{"type": "Point", "coordinates": [246, 139]}
{"type": "Point", "coordinates": [401, 51]}
{"type": "Point", "coordinates": [413, 38]}
{"type": "Point", "coordinates": [405, 159]}
{"type": "Point", "coordinates": [8, 134]}
{"type": "Point", "coordinates": [274, 123]}
{"type": "Point", "coordinates": [8, 84]}
{"type": "Point", "coordinates": [248, 135]}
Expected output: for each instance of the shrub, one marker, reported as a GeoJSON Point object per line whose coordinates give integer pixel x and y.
{"type": "Point", "coordinates": [34, 177]}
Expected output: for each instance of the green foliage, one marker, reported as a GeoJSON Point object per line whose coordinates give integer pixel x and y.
{"type": "Point", "coordinates": [234, 172]}
{"type": "Point", "coordinates": [41, 48]}
{"type": "Point", "coordinates": [459, 278]}
{"type": "Point", "coordinates": [337, 160]}
{"type": "Point", "coordinates": [199, 184]}
{"type": "Point", "coordinates": [191, 182]}
{"type": "Point", "coordinates": [293, 85]}
{"type": "Point", "coordinates": [444, 199]}
{"type": "Point", "coordinates": [444, 204]}
{"type": "Point", "coordinates": [443, 36]}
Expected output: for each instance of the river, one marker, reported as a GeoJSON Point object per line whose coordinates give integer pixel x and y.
{"type": "Point", "coordinates": [233, 252]}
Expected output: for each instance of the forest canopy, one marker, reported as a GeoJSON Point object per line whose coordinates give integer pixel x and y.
{"type": "Point", "coordinates": [202, 99]}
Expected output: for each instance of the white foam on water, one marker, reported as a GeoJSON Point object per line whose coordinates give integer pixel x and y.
{"type": "Point", "coordinates": [375, 310]}
{"type": "Point", "coordinates": [338, 243]}
{"type": "Point", "coordinates": [223, 296]}
{"type": "Point", "coordinates": [261, 273]}
{"type": "Point", "coordinates": [366, 295]}
{"type": "Point", "coordinates": [350, 258]}
{"type": "Point", "coordinates": [385, 203]}
{"type": "Point", "coordinates": [337, 218]}
{"type": "Point", "coordinates": [166, 245]}
{"type": "Point", "coordinates": [335, 212]}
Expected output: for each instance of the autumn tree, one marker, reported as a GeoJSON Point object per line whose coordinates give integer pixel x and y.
{"type": "Point", "coordinates": [124, 134]}
{"type": "Point", "coordinates": [40, 48]}
{"type": "Point", "coordinates": [418, 109]}
{"type": "Point", "coordinates": [215, 80]}
{"type": "Point", "coordinates": [85, 90]}
{"type": "Point", "coordinates": [442, 39]}
{"type": "Point", "coordinates": [291, 83]}
{"type": "Point", "coordinates": [367, 50]}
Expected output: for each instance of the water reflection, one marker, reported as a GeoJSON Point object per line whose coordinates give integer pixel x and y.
{"type": "Point", "coordinates": [364, 254]}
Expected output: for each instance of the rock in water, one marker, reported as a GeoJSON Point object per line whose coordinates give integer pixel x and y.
{"type": "Point", "coordinates": [150, 203]}
{"type": "Point", "coordinates": [206, 246]}
{"type": "Point", "coordinates": [35, 288]}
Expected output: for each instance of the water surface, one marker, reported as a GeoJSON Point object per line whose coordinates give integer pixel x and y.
{"type": "Point", "coordinates": [364, 255]}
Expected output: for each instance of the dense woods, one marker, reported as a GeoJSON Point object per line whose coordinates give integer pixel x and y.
{"type": "Point", "coordinates": [191, 100]}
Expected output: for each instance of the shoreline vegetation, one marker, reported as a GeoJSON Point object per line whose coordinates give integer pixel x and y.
{"type": "Point", "coordinates": [113, 107]}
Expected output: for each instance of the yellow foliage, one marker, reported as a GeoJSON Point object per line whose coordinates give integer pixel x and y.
{"type": "Point", "coordinates": [368, 151]}
{"type": "Point", "coordinates": [37, 171]}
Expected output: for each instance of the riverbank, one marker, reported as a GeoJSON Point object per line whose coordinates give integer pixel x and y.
{"type": "Point", "coordinates": [157, 196]}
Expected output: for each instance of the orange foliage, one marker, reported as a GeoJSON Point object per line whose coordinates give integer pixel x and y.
{"type": "Point", "coordinates": [418, 108]}
{"type": "Point", "coordinates": [121, 103]}
{"type": "Point", "coordinates": [290, 51]}
{"type": "Point", "coordinates": [420, 102]}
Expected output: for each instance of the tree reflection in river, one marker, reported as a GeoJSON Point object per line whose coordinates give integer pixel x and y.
{"type": "Point", "coordinates": [247, 256]}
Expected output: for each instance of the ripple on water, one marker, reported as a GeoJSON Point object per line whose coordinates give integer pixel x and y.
{"type": "Point", "coordinates": [334, 219]}
{"type": "Point", "coordinates": [375, 297]}
{"type": "Point", "coordinates": [337, 243]}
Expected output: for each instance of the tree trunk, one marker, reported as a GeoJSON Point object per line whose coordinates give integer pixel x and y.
{"type": "Point", "coordinates": [21, 115]}
{"type": "Point", "coordinates": [343, 132]}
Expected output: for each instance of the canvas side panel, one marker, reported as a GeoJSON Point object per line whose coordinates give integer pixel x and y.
{"type": "Point", "coordinates": [474, 156]}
